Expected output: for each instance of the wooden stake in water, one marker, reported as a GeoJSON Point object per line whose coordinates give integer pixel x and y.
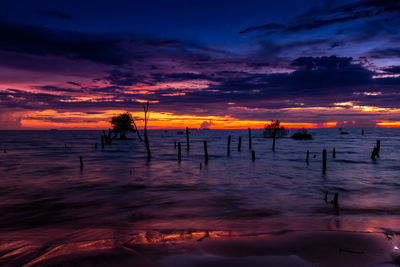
{"type": "Point", "coordinates": [65, 146]}
{"type": "Point", "coordinates": [374, 153]}
{"type": "Point", "coordinates": [200, 166]}
{"type": "Point", "coordinates": [326, 197]}
{"type": "Point", "coordinates": [179, 151]}
{"type": "Point", "coordinates": [102, 141]}
{"type": "Point", "coordinates": [229, 145]}
{"type": "Point", "coordinates": [205, 152]}
{"type": "Point", "coordinates": [174, 144]}
{"type": "Point", "coordinates": [187, 139]}
{"type": "Point", "coordinates": [308, 155]}
{"type": "Point", "coordinates": [81, 161]}
{"type": "Point", "coordinates": [273, 142]}
{"type": "Point", "coordinates": [362, 131]}
{"type": "Point", "coordinates": [336, 201]}
{"type": "Point", "coordinates": [105, 137]}
{"type": "Point", "coordinates": [324, 161]}
{"type": "Point", "coordinates": [334, 153]}
{"type": "Point", "coordinates": [240, 144]}
{"type": "Point", "coordinates": [253, 155]}
{"type": "Point", "coordinates": [109, 136]}
{"type": "Point", "coordinates": [249, 138]}
{"type": "Point", "coordinates": [378, 147]}
{"type": "Point", "coordinates": [95, 145]}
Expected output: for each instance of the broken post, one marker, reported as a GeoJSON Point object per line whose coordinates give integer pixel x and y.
{"type": "Point", "coordinates": [324, 161]}
{"type": "Point", "coordinates": [378, 147]}
{"type": "Point", "coordinates": [308, 155]}
{"type": "Point", "coordinates": [374, 153]}
{"type": "Point", "coordinates": [336, 201]}
{"type": "Point", "coordinates": [81, 161]}
{"type": "Point", "coordinates": [102, 141]}
{"type": "Point", "coordinates": [326, 197]}
{"type": "Point", "coordinates": [187, 139]}
{"type": "Point", "coordinates": [179, 151]}
{"type": "Point", "coordinates": [240, 144]}
{"type": "Point", "coordinates": [334, 153]}
{"type": "Point", "coordinates": [229, 145]}
{"type": "Point", "coordinates": [200, 166]}
{"type": "Point", "coordinates": [249, 138]}
{"type": "Point", "coordinates": [253, 155]}
{"type": "Point", "coordinates": [205, 152]}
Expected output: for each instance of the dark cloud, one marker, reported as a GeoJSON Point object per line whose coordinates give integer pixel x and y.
{"type": "Point", "coordinates": [121, 78]}
{"type": "Point", "coordinates": [388, 52]}
{"type": "Point", "coordinates": [73, 45]}
{"type": "Point", "coordinates": [74, 83]}
{"type": "Point", "coordinates": [322, 17]}
{"type": "Point", "coordinates": [53, 14]}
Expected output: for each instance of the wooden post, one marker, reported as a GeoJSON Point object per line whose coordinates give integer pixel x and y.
{"type": "Point", "coordinates": [179, 151]}
{"type": "Point", "coordinates": [308, 155]}
{"type": "Point", "coordinates": [324, 161]}
{"type": "Point", "coordinates": [102, 141]}
{"type": "Point", "coordinates": [229, 145]}
{"type": "Point", "coordinates": [334, 153]}
{"type": "Point", "coordinates": [174, 144]}
{"type": "Point", "coordinates": [240, 144]}
{"type": "Point", "coordinates": [326, 197]}
{"type": "Point", "coordinates": [65, 146]}
{"type": "Point", "coordinates": [378, 147]}
{"type": "Point", "coordinates": [362, 131]}
{"type": "Point", "coordinates": [273, 142]}
{"type": "Point", "coordinates": [374, 153]}
{"type": "Point", "coordinates": [187, 139]}
{"type": "Point", "coordinates": [205, 152]}
{"type": "Point", "coordinates": [105, 137]}
{"type": "Point", "coordinates": [249, 138]}
{"type": "Point", "coordinates": [109, 136]}
{"type": "Point", "coordinates": [200, 166]}
{"type": "Point", "coordinates": [336, 201]}
{"type": "Point", "coordinates": [146, 137]}
{"type": "Point", "coordinates": [95, 145]}
{"type": "Point", "coordinates": [253, 155]}
{"type": "Point", "coordinates": [81, 161]}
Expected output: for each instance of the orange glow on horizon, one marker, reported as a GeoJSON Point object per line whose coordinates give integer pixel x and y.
{"type": "Point", "coordinates": [49, 119]}
{"type": "Point", "coordinates": [388, 124]}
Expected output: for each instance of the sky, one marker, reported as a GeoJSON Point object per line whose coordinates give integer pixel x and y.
{"type": "Point", "coordinates": [203, 64]}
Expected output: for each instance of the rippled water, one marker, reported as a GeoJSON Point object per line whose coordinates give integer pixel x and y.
{"type": "Point", "coordinates": [42, 187]}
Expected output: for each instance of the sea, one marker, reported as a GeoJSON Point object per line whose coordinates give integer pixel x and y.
{"type": "Point", "coordinates": [45, 194]}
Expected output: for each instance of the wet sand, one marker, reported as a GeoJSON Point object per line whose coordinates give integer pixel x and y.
{"type": "Point", "coordinates": [218, 248]}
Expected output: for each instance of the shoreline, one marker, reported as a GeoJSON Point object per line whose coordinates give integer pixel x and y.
{"type": "Point", "coordinates": [208, 248]}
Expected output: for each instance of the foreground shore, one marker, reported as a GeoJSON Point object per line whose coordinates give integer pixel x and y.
{"type": "Point", "coordinates": [209, 248]}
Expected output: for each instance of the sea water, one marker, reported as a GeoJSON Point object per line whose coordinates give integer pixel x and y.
{"type": "Point", "coordinates": [43, 189]}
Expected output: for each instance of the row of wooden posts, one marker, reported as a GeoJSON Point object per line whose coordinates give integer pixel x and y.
{"type": "Point", "coordinates": [106, 139]}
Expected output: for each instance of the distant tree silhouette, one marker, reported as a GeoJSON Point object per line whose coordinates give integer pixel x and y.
{"type": "Point", "coordinates": [122, 124]}
{"type": "Point", "coordinates": [274, 129]}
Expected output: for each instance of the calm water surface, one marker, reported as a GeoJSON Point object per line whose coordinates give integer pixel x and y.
{"type": "Point", "coordinates": [43, 189]}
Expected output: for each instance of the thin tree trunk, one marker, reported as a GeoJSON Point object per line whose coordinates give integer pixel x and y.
{"type": "Point", "coordinates": [146, 138]}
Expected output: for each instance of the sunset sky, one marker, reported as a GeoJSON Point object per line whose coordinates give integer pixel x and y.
{"type": "Point", "coordinates": [217, 64]}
